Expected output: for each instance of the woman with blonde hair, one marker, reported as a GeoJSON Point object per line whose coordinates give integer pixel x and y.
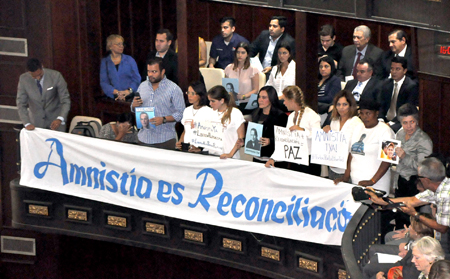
{"type": "Point", "coordinates": [231, 118]}
{"type": "Point", "coordinates": [119, 75]}
{"type": "Point", "coordinates": [426, 251]}
{"type": "Point", "coordinates": [302, 118]}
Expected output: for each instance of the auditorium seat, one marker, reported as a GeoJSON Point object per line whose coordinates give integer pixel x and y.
{"type": "Point", "coordinates": [262, 80]}
{"type": "Point", "coordinates": [212, 77]}
{"type": "Point", "coordinates": [79, 118]}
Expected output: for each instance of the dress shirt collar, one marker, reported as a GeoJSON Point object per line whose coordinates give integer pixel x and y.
{"type": "Point", "coordinates": [363, 52]}
{"type": "Point", "coordinates": [400, 83]}
{"type": "Point", "coordinates": [403, 52]}
{"type": "Point", "coordinates": [274, 41]}
{"type": "Point", "coordinates": [159, 55]}
{"type": "Point", "coordinates": [41, 81]}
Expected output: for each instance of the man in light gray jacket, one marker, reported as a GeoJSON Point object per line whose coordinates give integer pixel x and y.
{"type": "Point", "coordinates": [42, 98]}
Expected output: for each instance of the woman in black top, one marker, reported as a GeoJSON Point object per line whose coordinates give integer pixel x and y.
{"type": "Point", "coordinates": [269, 114]}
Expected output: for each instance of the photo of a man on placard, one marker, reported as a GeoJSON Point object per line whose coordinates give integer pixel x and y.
{"type": "Point", "coordinates": [144, 120]}
{"type": "Point", "coordinates": [253, 143]}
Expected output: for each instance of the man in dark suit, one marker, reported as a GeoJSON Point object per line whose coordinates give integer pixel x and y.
{"type": "Point", "coordinates": [396, 92]}
{"type": "Point", "coordinates": [399, 47]}
{"type": "Point", "coordinates": [43, 100]}
{"type": "Point", "coordinates": [170, 59]}
{"type": "Point", "coordinates": [365, 86]}
{"type": "Point", "coordinates": [269, 41]}
{"type": "Point", "coordinates": [359, 50]}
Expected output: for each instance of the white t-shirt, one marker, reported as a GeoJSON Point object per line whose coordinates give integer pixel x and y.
{"type": "Point", "coordinates": [230, 135]}
{"type": "Point", "coordinates": [310, 120]}
{"type": "Point", "coordinates": [347, 129]}
{"type": "Point", "coordinates": [365, 154]}
{"type": "Point", "coordinates": [189, 116]}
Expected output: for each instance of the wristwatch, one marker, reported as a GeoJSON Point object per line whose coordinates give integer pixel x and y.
{"type": "Point", "coordinates": [417, 217]}
{"type": "Point", "coordinates": [164, 120]}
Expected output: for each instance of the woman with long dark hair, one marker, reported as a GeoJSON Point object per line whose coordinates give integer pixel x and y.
{"type": "Point", "coordinates": [198, 110]}
{"type": "Point", "coordinates": [269, 114]}
{"type": "Point", "coordinates": [283, 74]}
{"type": "Point", "coordinates": [241, 69]}
{"type": "Point", "coordinates": [344, 118]}
{"type": "Point", "coordinates": [329, 84]}
{"type": "Point", "coordinates": [231, 118]}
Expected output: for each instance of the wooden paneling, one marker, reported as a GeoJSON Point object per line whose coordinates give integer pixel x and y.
{"type": "Point", "coordinates": [434, 104]}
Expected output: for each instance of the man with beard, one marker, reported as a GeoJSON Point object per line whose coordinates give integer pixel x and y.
{"type": "Point", "coordinates": [224, 45]}
{"type": "Point", "coordinates": [168, 102]}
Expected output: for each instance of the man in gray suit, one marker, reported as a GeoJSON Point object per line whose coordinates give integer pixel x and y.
{"type": "Point", "coordinates": [42, 98]}
{"type": "Point", "coordinates": [360, 49]}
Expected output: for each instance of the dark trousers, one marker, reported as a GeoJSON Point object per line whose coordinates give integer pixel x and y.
{"type": "Point", "coordinates": [405, 189]}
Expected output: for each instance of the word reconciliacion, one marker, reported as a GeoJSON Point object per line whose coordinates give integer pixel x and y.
{"type": "Point", "coordinates": [295, 212]}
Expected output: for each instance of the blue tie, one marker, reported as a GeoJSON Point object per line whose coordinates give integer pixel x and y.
{"type": "Point", "coordinates": [39, 86]}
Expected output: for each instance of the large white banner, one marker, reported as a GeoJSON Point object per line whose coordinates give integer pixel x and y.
{"type": "Point", "coordinates": [330, 148]}
{"type": "Point", "coordinates": [230, 193]}
{"type": "Point", "coordinates": [290, 146]}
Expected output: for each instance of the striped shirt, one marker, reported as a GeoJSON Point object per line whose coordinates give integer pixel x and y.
{"type": "Point", "coordinates": [167, 100]}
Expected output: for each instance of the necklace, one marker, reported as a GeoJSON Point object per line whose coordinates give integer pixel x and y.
{"type": "Point", "coordinates": [194, 111]}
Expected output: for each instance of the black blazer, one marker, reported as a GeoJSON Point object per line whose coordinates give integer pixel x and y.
{"type": "Point", "coordinates": [408, 93]}
{"type": "Point", "coordinates": [261, 44]}
{"type": "Point", "coordinates": [170, 62]}
{"type": "Point", "coordinates": [371, 90]}
{"type": "Point", "coordinates": [345, 66]}
{"type": "Point", "coordinates": [276, 117]}
{"type": "Point", "coordinates": [386, 59]}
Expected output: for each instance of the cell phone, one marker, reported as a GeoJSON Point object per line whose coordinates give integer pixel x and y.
{"type": "Point", "coordinates": [136, 94]}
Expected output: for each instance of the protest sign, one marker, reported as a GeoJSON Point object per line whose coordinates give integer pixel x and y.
{"type": "Point", "coordinates": [290, 146]}
{"type": "Point", "coordinates": [329, 149]}
{"type": "Point", "coordinates": [208, 134]}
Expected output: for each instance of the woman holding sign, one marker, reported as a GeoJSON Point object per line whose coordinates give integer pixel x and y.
{"type": "Point", "coordinates": [242, 70]}
{"type": "Point", "coordinates": [230, 117]}
{"type": "Point", "coordinates": [269, 114]}
{"type": "Point", "coordinates": [344, 118]}
{"type": "Point", "coordinates": [363, 166]}
{"type": "Point", "coordinates": [303, 119]}
{"type": "Point", "coordinates": [197, 97]}
{"type": "Point", "coordinates": [415, 146]}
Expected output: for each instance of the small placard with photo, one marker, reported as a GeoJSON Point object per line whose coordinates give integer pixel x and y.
{"type": "Point", "coordinates": [143, 114]}
{"type": "Point", "coordinates": [252, 143]}
{"type": "Point", "coordinates": [232, 87]}
{"type": "Point", "coordinates": [387, 151]}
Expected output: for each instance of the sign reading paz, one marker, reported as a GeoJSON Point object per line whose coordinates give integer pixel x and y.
{"type": "Point", "coordinates": [329, 149]}
{"type": "Point", "coordinates": [209, 135]}
{"type": "Point", "coordinates": [290, 146]}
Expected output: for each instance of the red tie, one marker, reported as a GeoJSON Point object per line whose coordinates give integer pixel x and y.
{"type": "Point", "coordinates": [356, 64]}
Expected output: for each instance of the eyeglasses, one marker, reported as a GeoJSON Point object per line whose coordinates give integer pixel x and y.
{"type": "Point", "coordinates": [191, 93]}
{"type": "Point", "coordinates": [419, 177]}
